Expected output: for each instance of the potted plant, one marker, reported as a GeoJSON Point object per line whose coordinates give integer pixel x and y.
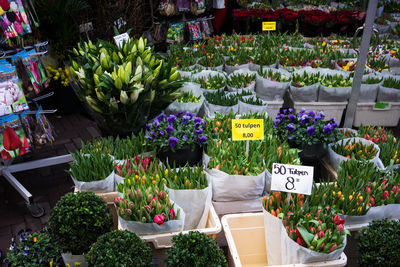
{"type": "Point", "coordinates": [306, 130]}
{"type": "Point", "coordinates": [195, 249]}
{"type": "Point", "coordinates": [190, 189]}
{"type": "Point", "coordinates": [378, 243]}
{"type": "Point", "coordinates": [314, 232]}
{"type": "Point", "coordinates": [179, 138]}
{"type": "Point", "coordinates": [93, 172]}
{"type": "Point", "coordinates": [335, 88]}
{"type": "Point", "coordinates": [75, 223]}
{"type": "Point", "coordinates": [146, 210]}
{"type": "Point", "coordinates": [119, 248]}
{"type": "Point", "coordinates": [304, 86]}
{"type": "Point", "coordinates": [34, 249]}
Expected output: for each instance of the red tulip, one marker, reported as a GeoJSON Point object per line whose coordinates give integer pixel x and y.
{"type": "Point", "coordinates": [385, 194]}
{"type": "Point", "coordinates": [11, 140]}
{"type": "Point", "coordinates": [340, 228]}
{"type": "Point", "coordinates": [395, 189]}
{"type": "Point", "coordinates": [301, 241]}
{"type": "Point", "coordinates": [159, 219]}
{"type": "Point", "coordinates": [337, 220]}
{"type": "Point", "coordinates": [372, 201]}
{"type": "Point", "coordinates": [172, 213]}
{"type": "Point", "coordinates": [321, 234]}
{"type": "Point", "coordinates": [116, 201]}
{"type": "Point", "coordinates": [333, 247]}
{"type": "Point", "coordinates": [5, 155]}
{"type": "Point", "coordinates": [368, 189]}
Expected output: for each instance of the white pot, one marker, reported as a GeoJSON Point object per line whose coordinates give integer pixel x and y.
{"type": "Point", "coordinates": [72, 259]}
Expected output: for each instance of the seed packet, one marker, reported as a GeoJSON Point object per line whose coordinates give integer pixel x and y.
{"type": "Point", "coordinates": [14, 142]}
{"type": "Point", "coordinates": [194, 30]}
{"type": "Point", "coordinates": [38, 129]}
{"type": "Point", "coordinates": [13, 18]}
{"type": "Point", "coordinates": [175, 32]}
{"type": "Point", "coordinates": [12, 98]}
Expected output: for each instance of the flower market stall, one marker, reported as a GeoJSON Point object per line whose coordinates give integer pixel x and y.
{"type": "Point", "coordinates": [224, 150]}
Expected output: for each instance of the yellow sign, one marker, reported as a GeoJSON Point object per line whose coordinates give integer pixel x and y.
{"type": "Point", "coordinates": [269, 26]}
{"type": "Point", "coordinates": [247, 129]}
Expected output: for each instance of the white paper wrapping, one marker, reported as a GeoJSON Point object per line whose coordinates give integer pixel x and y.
{"type": "Point", "coordinates": [391, 211]}
{"type": "Point", "coordinates": [281, 249]}
{"type": "Point", "coordinates": [195, 204]}
{"type": "Point", "coordinates": [245, 108]}
{"type": "Point", "coordinates": [386, 94]}
{"type": "Point", "coordinates": [70, 259]}
{"type": "Point", "coordinates": [227, 187]}
{"type": "Point", "coordinates": [333, 94]}
{"type": "Point", "coordinates": [194, 108]}
{"type": "Point", "coordinates": [140, 228]}
{"type": "Point", "coordinates": [106, 185]}
{"type": "Point", "coordinates": [336, 159]}
{"type": "Point", "coordinates": [271, 90]}
{"type": "Point", "coordinates": [211, 109]}
{"type": "Point", "coordinates": [230, 69]}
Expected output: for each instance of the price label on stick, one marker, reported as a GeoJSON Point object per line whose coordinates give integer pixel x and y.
{"type": "Point", "coordinates": [269, 26]}
{"type": "Point", "coordinates": [120, 39]}
{"type": "Point", "coordinates": [247, 129]}
{"type": "Point", "coordinates": [292, 178]}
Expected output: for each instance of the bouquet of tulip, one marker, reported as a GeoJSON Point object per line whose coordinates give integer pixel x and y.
{"type": "Point", "coordinates": [272, 75]}
{"type": "Point", "coordinates": [238, 57]}
{"type": "Point", "coordinates": [119, 148]}
{"type": "Point", "coordinates": [306, 79]}
{"type": "Point", "coordinates": [183, 186]}
{"type": "Point", "coordinates": [318, 228]}
{"type": "Point", "coordinates": [336, 81]}
{"type": "Point", "coordinates": [372, 80]}
{"type": "Point", "coordinates": [175, 132]}
{"type": "Point", "coordinates": [211, 82]}
{"type": "Point", "coordinates": [132, 166]}
{"type": "Point", "coordinates": [209, 61]}
{"type": "Point", "coordinates": [188, 97]}
{"type": "Point", "coordinates": [391, 83]}
{"type": "Point", "coordinates": [347, 65]}
{"type": "Point", "coordinates": [346, 133]}
{"type": "Point", "coordinates": [90, 168]}
{"type": "Point", "coordinates": [229, 157]}
{"type": "Point", "coordinates": [92, 172]}
{"type": "Point", "coordinates": [184, 178]}
{"type": "Point", "coordinates": [220, 127]}
{"type": "Point", "coordinates": [355, 150]}
{"type": "Point", "coordinates": [305, 128]}
{"type": "Point", "coordinates": [145, 205]}
{"type": "Point", "coordinates": [255, 101]}
{"type": "Point", "coordinates": [377, 64]}
{"type": "Point", "coordinates": [264, 57]}
{"type": "Point", "coordinates": [390, 151]}
{"type": "Point", "coordinates": [220, 98]}
{"type": "Point", "coordinates": [241, 80]}
{"type": "Point", "coordinates": [279, 152]}
{"type": "Point", "coordinates": [117, 83]}
{"type": "Point", "coordinates": [376, 134]}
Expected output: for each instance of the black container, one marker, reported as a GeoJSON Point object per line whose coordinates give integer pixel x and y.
{"type": "Point", "coordinates": [182, 156]}
{"type": "Point", "coordinates": [311, 156]}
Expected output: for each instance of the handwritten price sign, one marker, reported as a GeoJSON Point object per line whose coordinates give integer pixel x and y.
{"type": "Point", "coordinates": [292, 178]}
{"type": "Point", "coordinates": [247, 129]}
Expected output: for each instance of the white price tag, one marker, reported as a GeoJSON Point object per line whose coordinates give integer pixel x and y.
{"type": "Point", "coordinates": [292, 178]}
{"type": "Point", "coordinates": [120, 39]}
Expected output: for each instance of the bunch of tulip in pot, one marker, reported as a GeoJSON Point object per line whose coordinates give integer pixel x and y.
{"type": "Point", "coordinates": [179, 139]}
{"type": "Point", "coordinates": [190, 189]}
{"type": "Point", "coordinates": [309, 232]}
{"type": "Point", "coordinates": [307, 131]}
{"type": "Point", "coordinates": [144, 209]}
{"type": "Point", "coordinates": [92, 172]}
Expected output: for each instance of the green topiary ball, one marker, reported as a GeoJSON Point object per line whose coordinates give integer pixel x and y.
{"type": "Point", "coordinates": [379, 244]}
{"type": "Point", "coordinates": [195, 249]}
{"type": "Point", "coordinates": [119, 249]}
{"type": "Point", "coordinates": [78, 220]}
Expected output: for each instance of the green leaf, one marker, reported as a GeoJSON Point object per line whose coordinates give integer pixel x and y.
{"type": "Point", "coordinates": [308, 237]}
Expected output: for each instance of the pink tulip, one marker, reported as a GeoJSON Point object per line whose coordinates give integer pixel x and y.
{"type": "Point", "coordinates": [333, 247]}
{"type": "Point", "coordinates": [340, 228]}
{"type": "Point", "coordinates": [337, 220]}
{"type": "Point", "coordinates": [159, 219]}
{"type": "Point", "coordinates": [321, 234]}
{"type": "Point", "coordinates": [395, 189]}
{"type": "Point", "coordinates": [385, 194]}
{"type": "Point", "coordinates": [172, 213]}
{"type": "Point", "coordinates": [372, 201]}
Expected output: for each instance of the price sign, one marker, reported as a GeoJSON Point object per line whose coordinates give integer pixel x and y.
{"type": "Point", "coordinates": [120, 39]}
{"type": "Point", "coordinates": [247, 129]}
{"type": "Point", "coordinates": [269, 26]}
{"type": "Point", "coordinates": [292, 178]}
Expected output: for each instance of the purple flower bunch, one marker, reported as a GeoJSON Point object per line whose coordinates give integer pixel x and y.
{"type": "Point", "coordinates": [176, 131]}
{"type": "Point", "coordinates": [305, 128]}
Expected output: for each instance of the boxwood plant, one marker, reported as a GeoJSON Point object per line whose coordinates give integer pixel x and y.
{"type": "Point", "coordinates": [195, 249]}
{"type": "Point", "coordinates": [379, 244]}
{"type": "Point", "coordinates": [77, 220]}
{"type": "Point", "coordinates": [119, 249]}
